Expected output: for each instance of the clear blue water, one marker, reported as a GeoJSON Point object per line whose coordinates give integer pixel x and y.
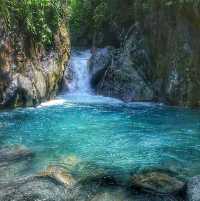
{"type": "Point", "coordinates": [119, 136]}
{"type": "Point", "coordinates": [103, 134]}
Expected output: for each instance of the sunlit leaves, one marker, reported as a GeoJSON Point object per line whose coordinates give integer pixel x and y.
{"type": "Point", "coordinates": [37, 18]}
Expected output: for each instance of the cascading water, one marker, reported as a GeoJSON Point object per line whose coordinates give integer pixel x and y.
{"type": "Point", "coordinates": [81, 79]}
{"type": "Point", "coordinates": [79, 89]}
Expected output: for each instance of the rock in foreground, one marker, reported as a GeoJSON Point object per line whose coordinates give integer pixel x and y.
{"type": "Point", "coordinates": [60, 175]}
{"type": "Point", "coordinates": [157, 182]}
{"type": "Point", "coordinates": [32, 189]}
{"type": "Point", "coordinates": [193, 189]}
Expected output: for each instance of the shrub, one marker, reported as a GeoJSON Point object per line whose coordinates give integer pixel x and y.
{"type": "Point", "coordinates": [38, 19]}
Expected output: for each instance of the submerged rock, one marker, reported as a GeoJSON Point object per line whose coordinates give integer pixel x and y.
{"type": "Point", "coordinates": [18, 152]}
{"type": "Point", "coordinates": [112, 195]}
{"type": "Point", "coordinates": [32, 189]}
{"type": "Point", "coordinates": [9, 170]}
{"type": "Point", "coordinates": [15, 161]}
{"type": "Point", "coordinates": [121, 193]}
{"type": "Point", "coordinates": [82, 170]}
{"type": "Point", "coordinates": [60, 175]}
{"type": "Point", "coordinates": [157, 182]}
{"type": "Point", "coordinates": [70, 161]}
{"type": "Point", "coordinates": [193, 189]}
{"type": "Point", "coordinates": [88, 171]}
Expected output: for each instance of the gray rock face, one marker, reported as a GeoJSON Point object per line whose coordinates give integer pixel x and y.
{"type": "Point", "coordinates": [157, 60]}
{"type": "Point", "coordinates": [180, 72]}
{"type": "Point", "coordinates": [31, 75]}
{"type": "Point", "coordinates": [123, 73]}
{"type": "Point", "coordinates": [100, 60]}
{"type": "Point", "coordinates": [193, 189]}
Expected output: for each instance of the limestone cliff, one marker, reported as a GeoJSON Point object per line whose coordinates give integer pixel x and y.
{"type": "Point", "coordinates": [29, 72]}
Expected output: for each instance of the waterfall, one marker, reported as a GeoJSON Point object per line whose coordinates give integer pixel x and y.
{"type": "Point", "coordinates": [80, 83]}
{"type": "Point", "coordinates": [79, 89]}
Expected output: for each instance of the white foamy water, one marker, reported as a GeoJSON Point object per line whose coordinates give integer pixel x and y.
{"type": "Point", "coordinates": [80, 90]}
{"type": "Point", "coordinates": [81, 76]}
{"type": "Point", "coordinates": [52, 102]}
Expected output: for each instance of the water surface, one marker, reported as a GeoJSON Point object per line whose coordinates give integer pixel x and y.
{"type": "Point", "coordinates": [105, 132]}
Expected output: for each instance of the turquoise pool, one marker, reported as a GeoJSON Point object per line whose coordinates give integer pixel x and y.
{"type": "Point", "coordinates": [107, 133]}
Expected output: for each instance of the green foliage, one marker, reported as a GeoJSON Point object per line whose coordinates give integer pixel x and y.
{"type": "Point", "coordinates": [81, 18]}
{"type": "Point", "coordinates": [93, 16]}
{"type": "Point", "coordinates": [38, 19]}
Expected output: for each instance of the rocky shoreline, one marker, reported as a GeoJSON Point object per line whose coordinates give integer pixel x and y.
{"type": "Point", "coordinates": [61, 182]}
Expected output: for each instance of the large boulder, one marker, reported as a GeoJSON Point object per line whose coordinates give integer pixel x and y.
{"type": "Point", "coordinates": [123, 73]}
{"type": "Point", "coordinates": [193, 189]}
{"type": "Point", "coordinates": [60, 175]}
{"type": "Point", "coordinates": [30, 73]}
{"type": "Point", "coordinates": [32, 189]}
{"type": "Point", "coordinates": [157, 182]}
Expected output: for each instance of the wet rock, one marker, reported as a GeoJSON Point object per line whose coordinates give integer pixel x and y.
{"type": "Point", "coordinates": [111, 195]}
{"type": "Point", "coordinates": [67, 77]}
{"type": "Point", "coordinates": [60, 175]}
{"type": "Point", "coordinates": [83, 170]}
{"type": "Point", "coordinates": [18, 152]}
{"type": "Point", "coordinates": [157, 182]}
{"type": "Point", "coordinates": [70, 161]}
{"type": "Point", "coordinates": [34, 74]}
{"type": "Point", "coordinates": [32, 189]}
{"type": "Point", "coordinates": [15, 161]}
{"type": "Point", "coordinates": [161, 55]}
{"type": "Point", "coordinates": [121, 193]}
{"type": "Point", "coordinates": [107, 196]}
{"type": "Point", "coordinates": [151, 197]}
{"type": "Point", "coordinates": [100, 60]}
{"type": "Point", "coordinates": [87, 171]}
{"type": "Point", "coordinates": [9, 170]}
{"type": "Point", "coordinates": [193, 189]}
{"type": "Point", "coordinates": [123, 73]}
